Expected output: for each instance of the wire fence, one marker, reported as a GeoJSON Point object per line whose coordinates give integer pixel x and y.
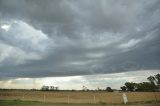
{"type": "Point", "coordinates": [80, 97]}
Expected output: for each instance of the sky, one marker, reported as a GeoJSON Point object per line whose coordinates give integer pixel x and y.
{"type": "Point", "coordinates": [71, 43]}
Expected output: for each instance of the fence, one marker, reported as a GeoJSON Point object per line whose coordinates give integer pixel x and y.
{"type": "Point", "coordinates": [79, 97]}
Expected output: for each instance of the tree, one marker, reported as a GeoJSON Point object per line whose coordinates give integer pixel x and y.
{"type": "Point", "coordinates": [99, 89]}
{"type": "Point", "coordinates": [123, 88]}
{"type": "Point", "coordinates": [145, 86]}
{"type": "Point", "coordinates": [84, 88]}
{"type": "Point", "coordinates": [157, 78]}
{"type": "Point", "coordinates": [45, 88]}
{"type": "Point", "coordinates": [152, 85]}
{"type": "Point", "coordinates": [130, 86]}
{"type": "Point", "coordinates": [109, 89]}
{"type": "Point", "coordinates": [151, 79]}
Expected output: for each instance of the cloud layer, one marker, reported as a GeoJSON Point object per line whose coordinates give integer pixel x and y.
{"type": "Point", "coordinates": [114, 80]}
{"type": "Point", "coordinates": [65, 38]}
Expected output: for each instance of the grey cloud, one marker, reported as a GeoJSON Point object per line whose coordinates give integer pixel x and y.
{"type": "Point", "coordinates": [87, 36]}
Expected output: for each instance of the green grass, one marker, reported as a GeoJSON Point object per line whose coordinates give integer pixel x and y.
{"type": "Point", "coordinates": [35, 103]}
{"type": "Point", "coordinates": [19, 103]}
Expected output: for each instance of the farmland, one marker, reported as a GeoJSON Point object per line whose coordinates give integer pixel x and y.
{"type": "Point", "coordinates": [68, 97]}
{"type": "Point", "coordinates": [33, 103]}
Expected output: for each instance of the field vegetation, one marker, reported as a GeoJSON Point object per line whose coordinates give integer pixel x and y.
{"type": "Point", "coordinates": [79, 96]}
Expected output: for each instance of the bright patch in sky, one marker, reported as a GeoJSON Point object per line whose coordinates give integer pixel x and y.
{"type": "Point", "coordinates": [5, 27]}
{"type": "Point", "coordinates": [23, 43]}
{"type": "Point", "coordinates": [115, 81]}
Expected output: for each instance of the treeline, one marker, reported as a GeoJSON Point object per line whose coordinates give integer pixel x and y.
{"type": "Point", "coordinates": [152, 85]}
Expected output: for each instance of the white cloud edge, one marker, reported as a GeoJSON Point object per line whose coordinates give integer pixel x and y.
{"type": "Point", "coordinates": [76, 82]}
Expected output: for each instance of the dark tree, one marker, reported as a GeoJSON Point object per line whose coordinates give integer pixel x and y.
{"type": "Point", "coordinates": [130, 86]}
{"type": "Point", "coordinates": [157, 78]}
{"type": "Point", "coordinates": [109, 89]}
{"type": "Point", "coordinates": [151, 79]}
{"type": "Point", "coordinates": [123, 88]}
{"type": "Point", "coordinates": [145, 86]}
{"type": "Point", "coordinates": [152, 85]}
{"type": "Point", "coordinates": [45, 88]}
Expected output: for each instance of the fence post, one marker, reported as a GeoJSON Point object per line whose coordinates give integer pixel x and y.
{"type": "Point", "coordinates": [155, 96]}
{"type": "Point", "coordinates": [94, 98]}
{"type": "Point", "coordinates": [100, 97]}
{"type": "Point", "coordinates": [23, 96]}
{"type": "Point", "coordinates": [68, 99]}
{"type": "Point", "coordinates": [44, 98]}
{"type": "Point", "coordinates": [125, 99]}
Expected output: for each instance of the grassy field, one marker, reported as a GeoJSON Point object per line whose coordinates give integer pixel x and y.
{"type": "Point", "coordinates": [33, 103]}
{"type": "Point", "coordinates": [80, 97]}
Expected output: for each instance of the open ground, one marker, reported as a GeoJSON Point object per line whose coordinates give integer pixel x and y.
{"type": "Point", "coordinates": [77, 97]}
{"type": "Point", "coordinates": [33, 103]}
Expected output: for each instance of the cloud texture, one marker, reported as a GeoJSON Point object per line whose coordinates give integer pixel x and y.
{"type": "Point", "coordinates": [40, 38]}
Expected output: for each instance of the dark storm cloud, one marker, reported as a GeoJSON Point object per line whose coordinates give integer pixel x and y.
{"type": "Point", "coordinates": [83, 37]}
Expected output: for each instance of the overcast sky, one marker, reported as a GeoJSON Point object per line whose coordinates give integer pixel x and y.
{"type": "Point", "coordinates": [79, 40]}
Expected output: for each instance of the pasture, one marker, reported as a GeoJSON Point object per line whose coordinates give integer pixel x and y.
{"type": "Point", "coordinates": [32, 103]}
{"type": "Point", "coordinates": [66, 97]}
